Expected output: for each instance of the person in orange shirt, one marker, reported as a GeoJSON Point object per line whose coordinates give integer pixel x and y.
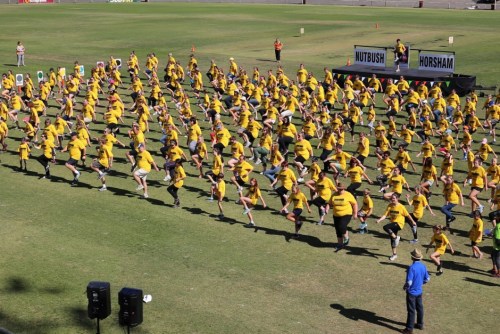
{"type": "Point", "coordinates": [277, 49]}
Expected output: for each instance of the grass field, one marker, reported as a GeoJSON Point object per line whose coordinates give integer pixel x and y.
{"type": "Point", "coordinates": [208, 275]}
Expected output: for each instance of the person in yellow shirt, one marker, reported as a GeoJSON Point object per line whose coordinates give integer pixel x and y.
{"type": "Point", "coordinates": [479, 180]}
{"type": "Point", "coordinates": [396, 181]}
{"type": "Point", "coordinates": [201, 152]}
{"type": "Point", "coordinates": [338, 160]}
{"type": "Point", "coordinates": [365, 212]}
{"type": "Point", "coordinates": [493, 172]}
{"type": "Point", "coordinates": [48, 155]}
{"type": "Point", "coordinates": [344, 208]}
{"type": "Point", "coordinates": [484, 150]}
{"type": "Point", "coordinates": [77, 151]}
{"type": "Point", "coordinates": [177, 182]}
{"type": "Point", "coordinates": [299, 200]}
{"type": "Point", "coordinates": [403, 159]}
{"type": "Point", "coordinates": [476, 234]}
{"type": "Point", "coordinates": [399, 54]}
{"type": "Point", "coordinates": [322, 189]}
{"type": "Point", "coordinates": [217, 168]}
{"type": "Point", "coordinates": [24, 154]}
{"type": "Point", "coordinates": [429, 177]}
{"type": "Point", "coordinates": [4, 133]}
{"type": "Point", "coordinates": [237, 150]}
{"type": "Point", "coordinates": [386, 166]}
{"type": "Point", "coordinates": [173, 153]}
{"type": "Point", "coordinates": [263, 148]}
{"type": "Point", "coordinates": [275, 160]}
{"type": "Point", "coordinates": [249, 201]}
{"type": "Point", "coordinates": [103, 162]}
{"type": "Point", "coordinates": [442, 242]}
{"type": "Point", "coordinates": [287, 179]}
{"type": "Point", "coordinates": [355, 173]}
{"type": "Point", "coordinates": [241, 173]}
{"type": "Point", "coordinates": [144, 162]}
{"type": "Point", "coordinates": [303, 151]}
{"type": "Point", "coordinates": [419, 203]}
{"type": "Point", "coordinates": [452, 196]}
{"type": "Point", "coordinates": [222, 137]}
{"type": "Point", "coordinates": [287, 133]}
{"type": "Point", "coordinates": [427, 150]}
{"type": "Point", "coordinates": [396, 212]}
{"type": "Point", "coordinates": [363, 148]}
{"type": "Point", "coordinates": [219, 189]}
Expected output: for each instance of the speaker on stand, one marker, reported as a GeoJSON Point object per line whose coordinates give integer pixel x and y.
{"type": "Point", "coordinates": [99, 298]}
{"type": "Point", "coordinates": [130, 301]}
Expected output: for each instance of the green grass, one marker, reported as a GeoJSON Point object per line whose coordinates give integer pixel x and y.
{"type": "Point", "coordinates": [206, 275]}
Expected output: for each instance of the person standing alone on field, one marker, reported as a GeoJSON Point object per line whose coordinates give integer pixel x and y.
{"type": "Point", "coordinates": [277, 49]}
{"type": "Point", "coordinates": [20, 54]}
{"type": "Point", "coordinates": [399, 53]}
{"type": "Point", "coordinates": [416, 277]}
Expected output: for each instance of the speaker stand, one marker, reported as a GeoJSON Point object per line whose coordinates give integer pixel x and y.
{"type": "Point", "coordinates": [98, 329]}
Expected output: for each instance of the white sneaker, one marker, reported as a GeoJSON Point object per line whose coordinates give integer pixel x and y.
{"type": "Point", "coordinates": [77, 176]}
{"type": "Point", "coordinates": [240, 189]}
{"type": "Point", "coordinates": [145, 195]}
{"type": "Point", "coordinates": [304, 170]}
{"type": "Point", "coordinates": [393, 257]}
{"type": "Point", "coordinates": [397, 240]}
{"type": "Point", "coordinates": [247, 210]}
{"type": "Point", "coordinates": [139, 187]}
{"type": "Point", "coordinates": [414, 241]}
{"type": "Point", "coordinates": [167, 178]}
{"type": "Point", "coordinates": [258, 162]}
{"type": "Point", "coordinates": [247, 144]}
{"type": "Point", "coordinates": [103, 188]}
{"type": "Point", "coordinates": [210, 199]}
{"type": "Point", "coordinates": [481, 208]}
{"type": "Point", "coordinates": [300, 179]}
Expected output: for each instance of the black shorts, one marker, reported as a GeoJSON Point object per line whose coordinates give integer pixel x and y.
{"type": "Point", "coordinates": [300, 159]}
{"type": "Point", "coordinates": [281, 191]}
{"type": "Point", "coordinates": [297, 213]}
{"type": "Point", "coordinates": [477, 188]}
{"type": "Point", "coordinates": [473, 243]}
{"type": "Point", "coordinates": [340, 224]}
{"type": "Point", "coordinates": [251, 138]}
{"type": "Point", "coordinates": [240, 181]}
{"type": "Point", "coordinates": [97, 164]}
{"type": "Point", "coordinates": [361, 158]}
{"type": "Point", "coordinates": [72, 162]}
{"type": "Point", "coordinates": [220, 147]}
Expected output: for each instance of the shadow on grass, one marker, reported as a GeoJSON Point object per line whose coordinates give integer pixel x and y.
{"type": "Point", "coordinates": [357, 314]}
{"type": "Point", "coordinates": [395, 264]}
{"type": "Point", "coordinates": [478, 281]}
{"type": "Point", "coordinates": [17, 325]}
{"type": "Point", "coordinates": [361, 251]}
{"type": "Point", "coordinates": [17, 285]}
{"type": "Point", "coordinates": [80, 318]}
{"type": "Point", "coordinates": [308, 239]}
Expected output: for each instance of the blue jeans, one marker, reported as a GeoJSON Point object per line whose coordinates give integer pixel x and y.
{"type": "Point", "coordinates": [446, 209]}
{"type": "Point", "coordinates": [271, 172]}
{"type": "Point", "coordinates": [414, 305]}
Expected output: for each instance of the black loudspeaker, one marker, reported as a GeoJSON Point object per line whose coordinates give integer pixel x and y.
{"type": "Point", "coordinates": [99, 296]}
{"type": "Point", "coordinates": [130, 301]}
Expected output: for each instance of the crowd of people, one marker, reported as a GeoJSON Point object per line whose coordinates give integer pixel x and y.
{"type": "Point", "coordinates": [292, 130]}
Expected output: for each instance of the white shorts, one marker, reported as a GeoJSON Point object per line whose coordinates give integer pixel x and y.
{"type": "Point", "coordinates": [141, 173]}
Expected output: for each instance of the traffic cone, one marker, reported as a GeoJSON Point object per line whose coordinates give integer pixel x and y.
{"type": "Point", "coordinates": [348, 61]}
{"type": "Point", "coordinates": [193, 49]}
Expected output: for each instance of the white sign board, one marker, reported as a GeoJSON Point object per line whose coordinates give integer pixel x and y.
{"type": "Point", "coordinates": [371, 57]}
{"type": "Point", "coordinates": [19, 80]}
{"type": "Point", "coordinates": [436, 62]}
{"type": "Point", "coordinates": [39, 76]}
{"type": "Point", "coordinates": [82, 70]}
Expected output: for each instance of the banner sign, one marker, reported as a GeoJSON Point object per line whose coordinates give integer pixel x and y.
{"type": "Point", "coordinates": [39, 76]}
{"type": "Point", "coordinates": [19, 80]}
{"type": "Point", "coordinates": [436, 62]}
{"type": "Point", "coordinates": [35, 1]}
{"type": "Point", "coordinates": [370, 57]}
{"type": "Point", "coordinates": [82, 70]}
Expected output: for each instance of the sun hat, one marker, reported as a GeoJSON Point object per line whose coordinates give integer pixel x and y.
{"type": "Point", "coordinates": [416, 254]}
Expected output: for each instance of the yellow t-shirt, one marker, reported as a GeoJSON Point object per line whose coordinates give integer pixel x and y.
{"type": "Point", "coordinates": [441, 242]}
{"type": "Point", "coordinates": [419, 202]}
{"type": "Point", "coordinates": [477, 175]}
{"type": "Point", "coordinates": [325, 188]}
{"type": "Point", "coordinates": [75, 148]}
{"type": "Point", "coordinates": [396, 214]}
{"type": "Point", "coordinates": [342, 204]}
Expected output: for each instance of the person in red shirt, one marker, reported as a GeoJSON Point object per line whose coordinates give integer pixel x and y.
{"type": "Point", "coordinates": [277, 49]}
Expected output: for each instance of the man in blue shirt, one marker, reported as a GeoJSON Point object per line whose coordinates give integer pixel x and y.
{"type": "Point", "coordinates": [416, 277]}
